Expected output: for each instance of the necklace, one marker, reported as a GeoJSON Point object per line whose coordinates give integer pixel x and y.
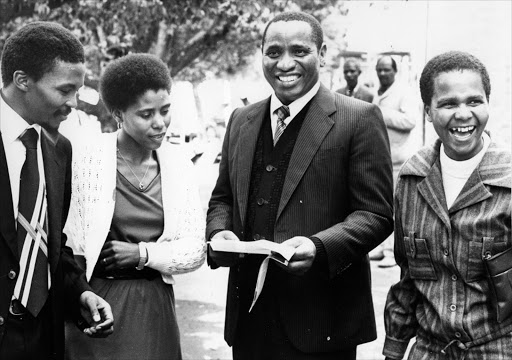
{"type": "Point", "coordinates": [141, 182]}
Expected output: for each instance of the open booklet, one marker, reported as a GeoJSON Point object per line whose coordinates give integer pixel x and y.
{"type": "Point", "coordinates": [278, 252]}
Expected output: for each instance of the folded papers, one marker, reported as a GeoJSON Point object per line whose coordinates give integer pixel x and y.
{"type": "Point", "coordinates": [278, 252]}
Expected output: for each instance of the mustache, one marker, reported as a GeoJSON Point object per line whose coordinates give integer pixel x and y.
{"type": "Point", "coordinates": [64, 112]}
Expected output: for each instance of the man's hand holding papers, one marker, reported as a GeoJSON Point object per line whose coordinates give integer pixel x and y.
{"type": "Point", "coordinates": [282, 253]}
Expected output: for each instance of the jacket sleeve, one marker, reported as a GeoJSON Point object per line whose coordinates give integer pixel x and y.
{"type": "Point", "coordinates": [370, 195]}
{"type": "Point", "coordinates": [185, 251]}
{"type": "Point", "coordinates": [220, 208]}
{"type": "Point", "coordinates": [399, 313]}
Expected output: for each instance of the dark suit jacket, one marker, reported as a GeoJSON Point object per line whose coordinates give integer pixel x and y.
{"type": "Point", "coordinates": [362, 93]}
{"type": "Point", "coordinates": [338, 188]}
{"type": "Point", "coordinates": [67, 279]}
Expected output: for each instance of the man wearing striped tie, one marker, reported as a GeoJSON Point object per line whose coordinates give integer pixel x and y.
{"type": "Point", "coordinates": [311, 169]}
{"type": "Point", "coordinates": [42, 70]}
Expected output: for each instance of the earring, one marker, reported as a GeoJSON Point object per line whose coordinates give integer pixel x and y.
{"type": "Point", "coordinates": [119, 125]}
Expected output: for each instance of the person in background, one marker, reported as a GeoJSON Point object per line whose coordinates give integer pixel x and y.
{"type": "Point", "coordinates": [452, 210]}
{"type": "Point", "coordinates": [400, 113]}
{"type": "Point", "coordinates": [42, 70]}
{"type": "Point", "coordinates": [311, 169]}
{"type": "Point", "coordinates": [135, 215]}
{"type": "Point", "coordinates": [351, 72]}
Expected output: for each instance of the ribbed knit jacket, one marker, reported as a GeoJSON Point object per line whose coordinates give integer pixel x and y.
{"type": "Point", "coordinates": [181, 247]}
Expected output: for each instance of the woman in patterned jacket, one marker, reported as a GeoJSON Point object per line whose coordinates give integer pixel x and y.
{"type": "Point", "coordinates": [135, 215]}
{"type": "Point", "coordinates": [452, 210]}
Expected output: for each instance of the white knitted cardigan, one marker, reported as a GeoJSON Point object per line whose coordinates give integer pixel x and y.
{"type": "Point", "coordinates": [180, 249]}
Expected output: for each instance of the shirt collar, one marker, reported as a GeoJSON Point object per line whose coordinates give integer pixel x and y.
{"type": "Point", "coordinates": [354, 90]}
{"type": "Point", "coordinates": [296, 106]}
{"type": "Point", "coordinates": [388, 91]}
{"type": "Point", "coordinates": [12, 125]}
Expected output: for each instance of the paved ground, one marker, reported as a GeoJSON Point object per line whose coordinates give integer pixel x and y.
{"type": "Point", "coordinates": [200, 306]}
{"type": "Point", "coordinates": [200, 300]}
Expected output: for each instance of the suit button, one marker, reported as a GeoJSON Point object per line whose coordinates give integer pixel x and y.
{"type": "Point", "coordinates": [1, 321]}
{"type": "Point", "coordinates": [261, 201]}
{"type": "Point", "coordinates": [270, 168]}
{"type": "Point", "coordinates": [328, 338]}
{"type": "Point", "coordinates": [11, 275]}
{"type": "Point", "coordinates": [256, 237]}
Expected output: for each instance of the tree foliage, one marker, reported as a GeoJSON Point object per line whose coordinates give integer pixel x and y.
{"type": "Point", "coordinates": [196, 38]}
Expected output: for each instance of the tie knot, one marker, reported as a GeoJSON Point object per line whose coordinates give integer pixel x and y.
{"type": "Point", "coordinates": [283, 112]}
{"type": "Point", "coordinates": [29, 138]}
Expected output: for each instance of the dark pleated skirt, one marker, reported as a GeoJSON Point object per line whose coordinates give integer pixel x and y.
{"type": "Point", "coordinates": [145, 324]}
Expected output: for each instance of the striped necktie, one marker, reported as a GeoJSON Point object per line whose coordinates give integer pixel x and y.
{"type": "Point", "coordinates": [282, 113]}
{"type": "Point", "coordinates": [34, 278]}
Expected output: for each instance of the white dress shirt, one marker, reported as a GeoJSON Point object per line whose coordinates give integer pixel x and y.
{"type": "Point", "coordinates": [295, 107]}
{"type": "Point", "coordinates": [12, 126]}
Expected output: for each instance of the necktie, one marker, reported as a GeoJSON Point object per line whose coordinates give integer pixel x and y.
{"type": "Point", "coordinates": [34, 277]}
{"type": "Point", "coordinates": [282, 113]}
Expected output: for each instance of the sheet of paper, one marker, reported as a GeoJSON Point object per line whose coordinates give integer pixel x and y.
{"type": "Point", "coordinates": [262, 274]}
{"type": "Point", "coordinates": [278, 252]}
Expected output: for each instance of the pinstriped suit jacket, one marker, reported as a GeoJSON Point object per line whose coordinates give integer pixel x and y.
{"type": "Point", "coordinates": [338, 187]}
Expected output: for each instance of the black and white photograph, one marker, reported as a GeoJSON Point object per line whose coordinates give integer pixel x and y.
{"type": "Point", "coordinates": [255, 180]}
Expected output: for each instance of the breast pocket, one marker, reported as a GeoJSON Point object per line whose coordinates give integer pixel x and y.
{"type": "Point", "coordinates": [478, 250]}
{"type": "Point", "coordinates": [420, 262]}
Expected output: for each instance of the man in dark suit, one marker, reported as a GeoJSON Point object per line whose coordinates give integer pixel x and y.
{"type": "Point", "coordinates": [324, 188]}
{"type": "Point", "coordinates": [42, 70]}
{"type": "Point", "coordinates": [351, 72]}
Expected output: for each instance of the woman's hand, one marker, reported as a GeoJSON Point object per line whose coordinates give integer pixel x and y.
{"type": "Point", "coordinates": [119, 255]}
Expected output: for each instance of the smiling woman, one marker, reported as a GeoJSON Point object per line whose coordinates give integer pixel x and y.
{"type": "Point", "coordinates": [135, 215]}
{"type": "Point", "coordinates": [459, 112]}
{"type": "Point", "coordinates": [452, 213]}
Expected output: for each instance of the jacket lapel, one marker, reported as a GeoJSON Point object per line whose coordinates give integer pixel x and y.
{"type": "Point", "coordinates": [7, 226]}
{"type": "Point", "coordinates": [54, 172]}
{"type": "Point", "coordinates": [315, 127]}
{"type": "Point", "coordinates": [246, 146]}
{"type": "Point", "coordinates": [492, 170]}
{"type": "Point", "coordinates": [431, 188]}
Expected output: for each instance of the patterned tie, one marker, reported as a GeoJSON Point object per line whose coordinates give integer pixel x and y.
{"type": "Point", "coordinates": [282, 113]}
{"type": "Point", "coordinates": [34, 278]}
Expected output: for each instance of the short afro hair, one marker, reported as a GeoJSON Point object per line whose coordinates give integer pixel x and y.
{"type": "Point", "coordinates": [125, 79]}
{"type": "Point", "coordinates": [36, 48]}
{"type": "Point", "coordinates": [353, 60]}
{"type": "Point", "coordinates": [316, 28]}
{"type": "Point", "coordinates": [448, 62]}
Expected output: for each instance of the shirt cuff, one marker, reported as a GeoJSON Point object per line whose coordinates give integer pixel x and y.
{"type": "Point", "coordinates": [394, 348]}
{"type": "Point", "coordinates": [212, 264]}
{"type": "Point", "coordinates": [320, 261]}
